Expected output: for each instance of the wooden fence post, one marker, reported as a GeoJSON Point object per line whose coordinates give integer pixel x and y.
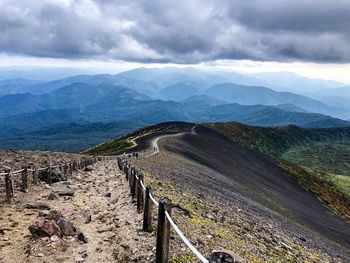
{"type": "Point", "coordinates": [148, 211]}
{"type": "Point", "coordinates": [134, 185]}
{"type": "Point", "coordinates": [163, 231]}
{"type": "Point", "coordinates": [140, 198]}
{"type": "Point", "coordinates": [49, 174]}
{"type": "Point", "coordinates": [130, 174]}
{"type": "Point", "coordinates": [35, 175]}
{"type": "Point", "coordinates": [9, 186]}
{"type": "Point", "coordinates": [24, 179]}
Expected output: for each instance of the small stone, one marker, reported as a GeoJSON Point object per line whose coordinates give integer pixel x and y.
{"type": "Point", "coordinates": [114, 201]}
{"type": "Point", "coordinates": [225, 256]}
{"type": "Point", "coordinates": [65, 192]}
{"type": "Point", "coordinates": [53, 196]}
{"type": "Point", "coordinates": [79, 259]}
{"type": "Point", "coordinates": [55, 238]}
{"type": "Point", "coordinates": [67, 228]}
{"type": "Point", "coordinates": [108, 194]}
{"type": "Point", "coordinates": [82, 237]}
{"type": "Point", "coordinates": [40, 255]}
{"type": "Point", "coordinates": [37, 205]}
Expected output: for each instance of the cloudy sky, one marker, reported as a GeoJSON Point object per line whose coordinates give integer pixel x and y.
{"type": "Point", "coordinates": [310, 37]}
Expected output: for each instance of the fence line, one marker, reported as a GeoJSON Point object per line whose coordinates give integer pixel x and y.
{"type": "Point", "coordinates": [24, 182]}
{"type": "Point", "coordinates": [137, 188]}
{"type": "Point", "coordinates": [139, 191]}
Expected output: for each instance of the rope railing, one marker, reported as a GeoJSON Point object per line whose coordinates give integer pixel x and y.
{"type": "Point", "coordinates": [146, 200]}
{"type": "Point", "coordinates": [185, 240]}
{"type": "Point", "coordinates": [153, 200]}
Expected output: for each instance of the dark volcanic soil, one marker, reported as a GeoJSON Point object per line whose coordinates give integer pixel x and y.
{"type": "Point", "coordinates": [224, 169]}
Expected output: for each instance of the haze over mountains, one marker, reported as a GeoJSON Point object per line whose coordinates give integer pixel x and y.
{"type": "Point", "coordinates": [147, 96]}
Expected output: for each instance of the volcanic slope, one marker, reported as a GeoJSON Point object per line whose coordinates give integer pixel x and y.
{"type": "Point", "coordinates": [208, 163]}
{"type": "Point", "coordinates": [257, 178]}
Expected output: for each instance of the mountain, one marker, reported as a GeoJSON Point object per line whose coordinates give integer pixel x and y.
{"type": "Point", "coordinates": [66, 137]}
{"type": "Point", "coordinates": [337, 92]}
{"type": "Point", "coordinates": [288, 81]}
{"type": "Point", "coordinates": [16, 85]}
{"type": "Point", "coordinates": [14, 104]}
{"type": "Point", "coordinates": [290, 107]}
{"type": "Point", "coordinates": [178, 92]}
{"type": "Point", "coordinates": [31, 121]}
{"type": "Point", "coordinates": [76, 95]}
{"type": "Point", "coordinates": [267, 116]}
{"type": "Point", "coordinates": [253, 95]}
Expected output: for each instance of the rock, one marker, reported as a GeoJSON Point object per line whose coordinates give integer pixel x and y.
{"type": "Point", "coordinates": [37, 205]}
{"type": "Point", "coordinates": [64, 192]}
{"type": "Point", "coordinates": [79, 259]}
{"type": "Point", "coordinates": [53, 196]}
{"type": "Point", "coordinates": [224, 256]}
{"type": "Point", "coordinates": [85, 216]}
{"type": "Point", "coordinates": [40, 255]}
{"type": "Point", "coordinates": [128, 222]}
{"type": "Point", "coordinates": [114, 201]}
{"type": "Point", "coordinates": [67, 228]}
{"type": "Point", "coordinates": [55, 238]}
{"type": "Point", "coordinates": [108, 194]}
{"type": "Point", "coordinates": [82, 237]}
{"type": "Point", "coordinates": [88, 169]}
{"type": "Point", "coordinates": [56, 176]}
{"type": "Point", "coordinates": [44, 227]}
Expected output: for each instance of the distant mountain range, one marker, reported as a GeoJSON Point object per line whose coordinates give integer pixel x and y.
{"type": "Point", "coordinates": [148, 96]}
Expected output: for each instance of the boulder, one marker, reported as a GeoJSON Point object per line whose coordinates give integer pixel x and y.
{"type": "Point", "coordinates": [43, 227]}
{"type": "Point", "coordinates": [56, 175]}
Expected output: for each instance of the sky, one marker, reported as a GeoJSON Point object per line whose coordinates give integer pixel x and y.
{"type": "Point", "coordinates": [309, 37]}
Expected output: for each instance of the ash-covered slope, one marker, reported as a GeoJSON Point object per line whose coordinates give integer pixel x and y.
{"type": "Point", "coordinates": [254, 178]}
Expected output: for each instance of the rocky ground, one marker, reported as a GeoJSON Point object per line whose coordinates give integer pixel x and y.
{"type": "Point", "coordinates": [96, 218]}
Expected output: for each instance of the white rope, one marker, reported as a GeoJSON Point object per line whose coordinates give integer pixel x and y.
{"type": "Point", "coordinates": [42, 169]}
{"type": "Point", "coordinates": [153, 200]}
{"type": "Point", "coordinates": [19, 171]}
{"type": "Point", "coordinates": [137, 178]}
{"type": "Point", "coordinates": [142, 185]}
{"type": "Point", "coordinates": [185, 240]}
{"type": "Point", "coordinates": [3, 174]}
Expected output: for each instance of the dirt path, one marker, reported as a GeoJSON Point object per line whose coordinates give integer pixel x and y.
{"type": "Point", "coordinates": [155, 147]}
{"type": "Point", "coordinates": [113, 234]}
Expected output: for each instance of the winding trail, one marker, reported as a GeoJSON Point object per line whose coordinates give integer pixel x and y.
{"type": "Point", "coordinates": [155, 146]}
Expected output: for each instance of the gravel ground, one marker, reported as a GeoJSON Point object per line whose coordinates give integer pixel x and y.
{"type": "Point", "coordinates": [113, 234]}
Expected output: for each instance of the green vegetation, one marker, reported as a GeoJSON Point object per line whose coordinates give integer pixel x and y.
{"type": "Point", "coordinates": [319, 159]}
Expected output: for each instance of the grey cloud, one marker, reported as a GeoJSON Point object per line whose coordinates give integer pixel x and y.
{"type": "Point", "coordinates": [177, 31]}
